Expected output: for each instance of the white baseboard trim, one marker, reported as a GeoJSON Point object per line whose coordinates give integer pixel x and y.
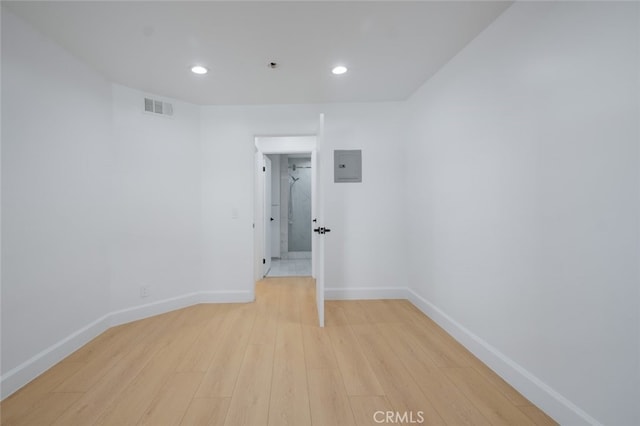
{"type": "Point", "coordinates": [557, 406]}
{"type": "Point", "coordinates": [365, 293]}
{"type": "Point", "coordinates": [19, 376]}
{"type": "Point", "coordinates": [147, 310]}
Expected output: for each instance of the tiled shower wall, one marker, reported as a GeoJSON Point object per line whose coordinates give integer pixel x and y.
{"type": "Point", "coordinates": [299, 218]}
{"type": "Point", "coordinates": [284, 202]}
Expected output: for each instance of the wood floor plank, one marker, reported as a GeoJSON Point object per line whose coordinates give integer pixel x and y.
{"type": "Point", "coordinates": [163, 329]}
{"type": "Point", "coordinates": [101, 354]}
{"type": "Point", "coordinates": [89, 374]}
{"type": "Point", "coordinates": [353, 311]}
{"type": "Point", "coordinates": [130, 405]}
{"type": "Point", "coordinates": [95, 401]}
{"type": "Point", "coordinates": [26, 398]}
{"type": "Point", "coordinates": [199, 315]}
{"type": "Point", "coordinates": [447, 399]}
{"type": "Point", "coordinates": [380, 311]}
{"type": "Point", "coordinates": [318, 351]}
{"type": "Point", "coordinates": [289, 306]}
{"type": "Point", "coordinates": [369, 410]}
{"type": "Point", "coordinates": [289, 404]}
{"type": "Point", "coordinates": [199, 356]}
{"type": "Point", "coordinates": [171, 403]}
{"type": "Point", "coordinates": [206, 412]}
{"type": "Point", "coordinates": [45, 411]}
{"type": "Point", "coordinates": [405, 312]}
{"type": "Point", "coordinates": [397, 382]}
{"type": "Point", "coordinates": [250, 401]}
{"type": "Point", "coordinates": [539, 417]}
{"type": "Point", "coordinates": [435, 346]}
{"type": "Point", "coordinates": [452, 353]}
{"type": "Point", "coordinates": [330, 405]}
{"type": "Point", "coordinates": [264, 328]}
{"type": "Point", "coordinates": [334, 315]}
{"type": "Point", "coordinates": [358, 376]}
{"type": "Point", "coordinates": [308, 309]}
{"type": "Point", "coordinates": [491, 403]}
{"type": "Point", "coordinates": [221, 375]}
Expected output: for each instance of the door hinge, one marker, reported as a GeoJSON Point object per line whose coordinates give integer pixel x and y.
{"type": "Point", "coordinates": [264, 261]}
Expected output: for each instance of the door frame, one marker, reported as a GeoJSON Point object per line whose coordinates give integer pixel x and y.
{"type": "Point", "coordinates": [290, 144]}
{"type": "Point", "coordinates": [266, 205]}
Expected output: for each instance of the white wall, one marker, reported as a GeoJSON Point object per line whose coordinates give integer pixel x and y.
{"type": "Point", "coordinates": [227, 136]}
{"type": "Point", "coordinates": [56, 196]}
{"type": "Point", "coordinates": [523, 200]}
{"type": "Point", "coordinates": [157, 241]}
{"type": "Point", "coordinates": [364, 249]}
{"type": "Point", "coordinates": [98, 199]}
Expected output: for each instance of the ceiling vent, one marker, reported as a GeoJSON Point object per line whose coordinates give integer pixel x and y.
{"type": "Point", "coordinates": [158, 107]}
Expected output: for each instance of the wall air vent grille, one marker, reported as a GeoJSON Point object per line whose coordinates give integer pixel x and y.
{"type": "Point", "coordinates": [158, 107]}
{"type": "Point", "coordinates": [148, 105]}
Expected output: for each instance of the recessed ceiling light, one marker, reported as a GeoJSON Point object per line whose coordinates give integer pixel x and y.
{"type": "Point", "coordinates": [198, 69]}
{"type": "Point", "coordinates": [339, 70]}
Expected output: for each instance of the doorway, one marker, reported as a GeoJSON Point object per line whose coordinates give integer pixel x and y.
{"type": "Point", "coordinates": [290, 215]}
{"type": "Point", "coordinates": [301, 147]}
{"type": "Point", "coordinates": [287, 236]}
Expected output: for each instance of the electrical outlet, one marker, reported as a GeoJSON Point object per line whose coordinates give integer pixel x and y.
{"type": "Point", "coordinates": [144, 291]}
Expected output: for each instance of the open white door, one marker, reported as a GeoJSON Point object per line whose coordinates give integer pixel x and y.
{"type": "Point", "coordinates": [317, 212]}
{"type": "Point", "coordinates": [267, 215]}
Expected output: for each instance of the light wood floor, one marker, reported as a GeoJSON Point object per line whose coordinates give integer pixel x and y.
{"type": "Point", "coordinates": [267, 363]}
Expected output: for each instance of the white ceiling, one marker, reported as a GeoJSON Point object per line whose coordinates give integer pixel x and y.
{"type": "Point", "coordinates": [390, 48]}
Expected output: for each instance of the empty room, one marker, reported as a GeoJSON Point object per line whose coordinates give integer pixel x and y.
{"type": "Point", "coordinates": [320, 213]}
